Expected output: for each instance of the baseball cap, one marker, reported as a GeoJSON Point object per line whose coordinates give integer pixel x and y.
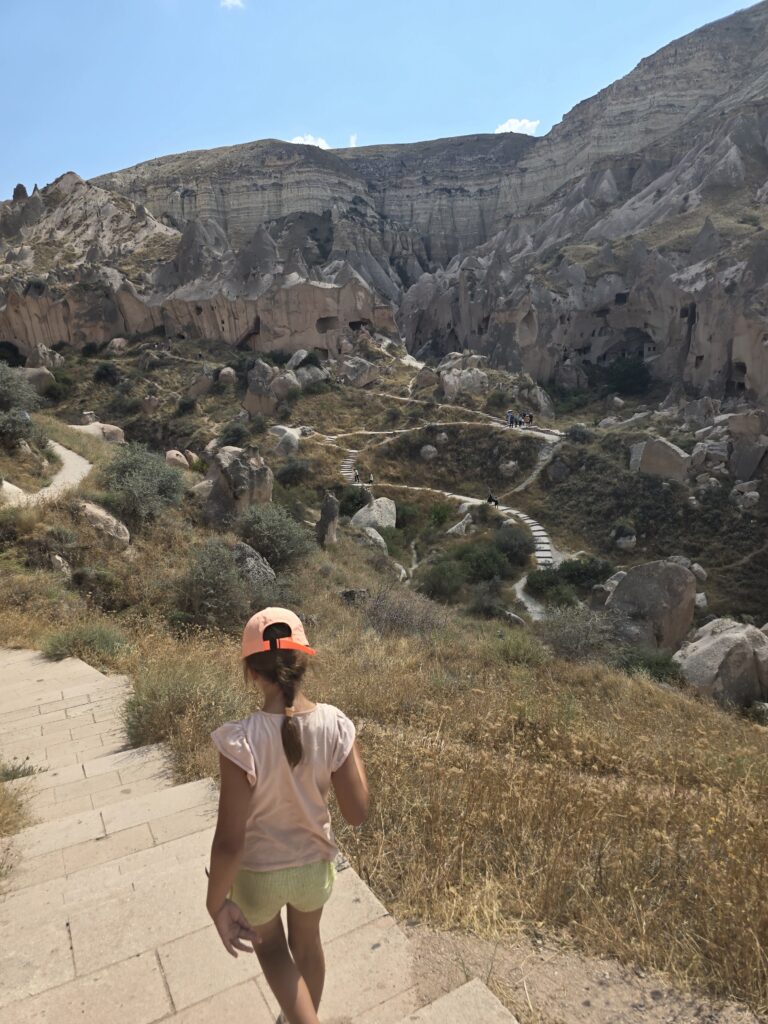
{"type": "Point", "coordinates": [253, 634]}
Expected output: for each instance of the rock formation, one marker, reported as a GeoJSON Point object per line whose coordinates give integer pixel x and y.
{"type": "Point", "coordinates": [728, 661]}
{"type": "Point", "coordinates": [237, 479]}
{"type": "Point", "coordinates": [658, 601]}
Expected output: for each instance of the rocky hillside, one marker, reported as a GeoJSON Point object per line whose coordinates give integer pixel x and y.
{"type": "Point", "coordinates": [634, 228]}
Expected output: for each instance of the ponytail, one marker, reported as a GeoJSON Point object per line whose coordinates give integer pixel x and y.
{"type": "Point", "coordinates": [285, 669]}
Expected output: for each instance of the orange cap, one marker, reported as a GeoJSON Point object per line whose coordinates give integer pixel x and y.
{"type": "Point", "coordinates": [253, 634]}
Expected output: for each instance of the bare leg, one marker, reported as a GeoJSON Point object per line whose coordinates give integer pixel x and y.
{"type": "Point", "coordinates": [283, 975]}
{"type": "Point", "coordinates": [307, 949]}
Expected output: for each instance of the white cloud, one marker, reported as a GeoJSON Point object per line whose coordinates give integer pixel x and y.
{"type": "Point", "coordinates": [524, 125]}
{"type": "Point", "coordinates": [353, 140]}
{"type": "Point", "coordinates": [310, 140]}
{"type": "Point", "coordinates": [231, 3]}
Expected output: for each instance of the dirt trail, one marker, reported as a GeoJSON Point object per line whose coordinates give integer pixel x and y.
{"type": "Point", "coordinates": [74, 468]}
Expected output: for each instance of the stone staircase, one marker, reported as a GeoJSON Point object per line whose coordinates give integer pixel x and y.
{"type": "Point", "coordinates": [103, 916]}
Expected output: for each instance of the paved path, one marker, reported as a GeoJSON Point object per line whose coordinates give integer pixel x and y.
{"type": "Point", "coordinates": [104, 918]}
{"type": "Point", "coordinates": [74, 468]}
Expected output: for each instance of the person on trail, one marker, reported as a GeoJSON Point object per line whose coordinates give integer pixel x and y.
{"type": "Point", "coordinates": [370, 479]}
{"type": "Point", "coordinates": [530, 419]}
{"type": "Point", "coordinates": [357, 475]}
{"type": "Point", "coordinates": [492, 499]}
{"type": "Point", "coordinates": [273, 845]}
{"type": "Point", "coordinates": [510, 417]}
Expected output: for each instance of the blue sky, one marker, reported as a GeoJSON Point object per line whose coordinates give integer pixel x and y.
{"type": "Point", "coordinates": [97, 85]}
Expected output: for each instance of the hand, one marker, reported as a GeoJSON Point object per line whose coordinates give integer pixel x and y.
{"type": "Point", "coordinates": [233, 929]}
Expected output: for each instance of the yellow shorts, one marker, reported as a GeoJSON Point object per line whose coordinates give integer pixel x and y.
{"type": "Point", "coordinates": [261, 895]}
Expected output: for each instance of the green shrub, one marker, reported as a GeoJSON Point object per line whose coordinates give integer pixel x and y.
{"type": "Point", "coordinates": [107, 373]}
{"type": "Point", "coordinates": [101, 586]}
{"type": "Point", "coordinates": [629, 376]}
{"type": "Point", "coordinates": [584, 573]}
{"type": "Point", "coordinates": [443, 580]}
{"type": "Point", "coordinates": [547, 585]}
{"type": "Point", "coordinates": [92, 642]}
{"type": "Point", "coordinates": [440, 513]}
{"type": "Point", "coordinates": [577, 433]}
{"type": "Point", "coordinates": [15, 390]}
{"type": "Point", "coordinates": [351, 500]}
{"type": "Point", "coordinates": [402, 612]}
{"type": "Point", "coordinates": [484, 561]}
{"type": "Point", "coordinates": [18, 768]}
{"type": "Point", "coordinates": [212, 592]}
{"type": "Point", "coordinates": [519, 647]}
{"type": "Point", "coordinates": [657, 664]}
{"type": "Point", "coordinates": [515, 543]}
{"type": "Point", "coordinates": [486, 599]}
{"type": "Point", "coordinates": [235, 434]}
{"type": "Point", "coordinates": [407, 515]}
{"type": "Point", "coordinates": [294, 472]}
{"type": "Point", "coordinates": [15, 426]}
{"type": "Point", "coordinates": [140, 485]}
{"type": "Point", "coordinates": [186, 406]}
{"type": "Point", "coordinates": [275, 534]}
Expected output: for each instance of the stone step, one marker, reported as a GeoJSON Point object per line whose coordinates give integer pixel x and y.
{"type": "Point", "coordinates": [129, 873]}
{"type": "Point", "coordinates": [473, 1003]}
{"type": "Point", "coordinates": [58, 836]}
{"type": "Point", "coordinates": [70, 694]}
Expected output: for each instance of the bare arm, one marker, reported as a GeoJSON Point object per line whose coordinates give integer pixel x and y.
{"type": "Point", "coordinates": [351, 787]}
{"type": "Point", "coordinates": [226, 853]}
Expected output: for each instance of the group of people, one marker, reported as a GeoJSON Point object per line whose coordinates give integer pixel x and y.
{"type": "Point", "coordinates": [519, 419]}
{"type": "Point", "coordinates": [359, 481]}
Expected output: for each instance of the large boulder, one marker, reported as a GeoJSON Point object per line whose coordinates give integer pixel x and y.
{"type": "Point", "coordinates": [328, 524]}
{"type": "Point", "coordinates": [700, 413]}
{"type": "Point", "coordinates": [659, 457]}
{"type": "Point", "coordinates": [289, 439]}
{"type": "Point", "coordinates": [747, 423]}
{"type": "Point", "coordinates": [746, 457]}
{"type": "Point", "coordinates": [104, 431]}
{"type": "Point", "coordinates": [283, 384]}
{"type": "Point", "coordinates": [379, 512]}
{"type": "Point", "coordinates": [202, 385]}
{"type": "Point", "coordinates": [728, 661]}
{"type": "Point", "coordinates": [457, 382]}
{"type": "Point", "coordinates": [259, 400]}
{"type": "Point", "coordinates": [176, 459]}
{"type": "Point", "coordinates": [296, 359]}
{"type": "Point", "coordinates": [115, 533]}
{"type": "Point", "coordinates": [239, 478]}
{"type": "Point", "coordinates": [425, 378]}
{"type": "Point", "coordinates": [40, 377]}
{"type": "Point", "coordinates": [254, 568]}
{"type": "Point", "coordinates": [356, 371]}
{"type": "Point", "coordinates": [658, 601]}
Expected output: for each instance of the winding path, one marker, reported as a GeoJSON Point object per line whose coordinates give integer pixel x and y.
{"type": "Point", "coordinates": [74, 469]}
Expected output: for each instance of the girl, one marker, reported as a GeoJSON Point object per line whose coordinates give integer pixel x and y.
{"type": "Point", "coordinates": [273, 846]}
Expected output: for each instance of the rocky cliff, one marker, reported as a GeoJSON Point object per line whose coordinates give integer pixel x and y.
{"type": "Point", "coordinates": [635, 227]}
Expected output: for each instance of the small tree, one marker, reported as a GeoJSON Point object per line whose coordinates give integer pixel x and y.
{"type": "Point", "coordinates": [140, 485]}
{"type": "Point", "coordinates": [15, 390]}
{"type": "Point", "coordinates": [629, 376]}
{"type": "Point", "coordinates": [272, 531]}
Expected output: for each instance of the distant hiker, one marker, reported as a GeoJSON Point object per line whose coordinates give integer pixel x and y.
{"type": "Point", "coordinates": [357, 475]}
{"type": "Point", "coordinates": [530, 419]}
{"type": "Point", "coordinates": [492, 499]}
{"type": "Point", "coordinates": [370, 479]}
{"type": "Point", "coordinates": [273, 846]}
{"type": "Point", "coordinates": [510, 417]}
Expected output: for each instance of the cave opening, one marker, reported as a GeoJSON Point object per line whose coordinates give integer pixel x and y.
{"type": "Point", "coordinates": [326, 323]}
{"type": "Point", "coordinates": [621, 298]}
{"type": "Point", "coordinates": [9, 353]}
{"type": "Point", "coordinates": [355, 325]}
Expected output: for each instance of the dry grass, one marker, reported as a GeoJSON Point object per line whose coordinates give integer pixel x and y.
{"type": "Point", "coordinates": [509, 786]}
{"type": "Point", "coordinates": [91, 448]}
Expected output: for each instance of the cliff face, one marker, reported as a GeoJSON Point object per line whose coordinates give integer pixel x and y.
{"type": "Point", "coordinates": [636, 226]}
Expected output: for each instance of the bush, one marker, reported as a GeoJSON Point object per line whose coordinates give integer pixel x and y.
{"type": "Point", "coordinates": [351, 501]}
{"type": "Point", "coordinates": [584, 573]}
{"type": "Point", "coordinates": [92, 642]}
{"type": "Point", "coordinates": [402, 612]}
{"type": "Point", "coordinates": [90, 349]}
{"type": "Point", "coordinates": [275, 535]}
{"type": "Point", "coordinates": [17, 768]}
{"type": "Point", "coordinates": [548, 586]}
{"type": "Point", "coordinates": [443, 580]}
{"type": "Point", "coordinates": [484, 561]}
{"type": "Point", "coordinates": [629, 376]}
{"type": "Point", "coordinates": [107, 373]}
{"type": "Point", "coordinates": [578, 434]}
{"type": "Point", "coordinates": [212, 592]}
{"type": "Point", "coordinates": [15, 390]}
{"type": "Point", "coordinates": [515, 543]}
{"type": "Point", "coordinates": [15, 426]}
{"type": "Point", "coordinates": [234, 434]}
{"type": "Point", "coordinates": [294, 472]}
{"type": "Point", "coordinates": [185, 406]}
{"type": "Point", "coordinates": [140, 485]}
{"type": "Point", "coordinates": [519, 647]}
{"type": "Point", "coordinates": [580, 634]}
{"type": "Point", "coordinates": [102, 587]}
{"type": "Point", "coordinates": [657, 664]}
{"type": "Point", "coordinates": [440, 513]}
{"type": "Point", "coordinates": [407, 515]}
{"type": "Point", "coordinates": [486, 599]}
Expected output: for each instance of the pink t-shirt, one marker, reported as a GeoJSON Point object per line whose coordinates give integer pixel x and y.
{"type": "Point", "coordinates": [288, 821]}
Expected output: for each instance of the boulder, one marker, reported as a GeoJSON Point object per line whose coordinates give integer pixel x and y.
{"type": "Point", "coordinates": [228, 377]}
{"type": "Point", "coordinates": [356, 371]}
{"type": "Point", "coordinates": [428, 452]}
{"type": "Point", "coordinates": [284, 384]}
{"type": "Point", "coordinates": [375, 539]}
{"type": "Point", "coordinates": [660, 458]}
{"type": "Point", "coordinates": [746, 457]}
{"type": "Point", "coordinates": [10, 494]}
{"type": "Point", "coordinates": [239, 478]}
{"type": "Point", "coordinates": [746, 501]}
{"type": "Point", "coordinates": [750, 423]}
{"type": "Point", "coordinates": [261, 373]}
{"type": "Point", "coordinates": [61, 565]}
{"type": "Point", "coordinates": [150, 404]}
{"type": "Point", "coordinates": [297, 359]}
{"type": "Point", "coordinates": [698, 572]}
{"type": "Point", "coordinates": [328, 524]}
{"type": "Point", "coordinates": [289, 440]}
{"type": "Point", "coordinates": [457, 382]}
{"type": "Point", "coordinates": [658, 600]}
{"type": "Point", "coordinates": [254, 568]}
{"type": "Point", "coordinates": [728, 661]}
{"type": "Point", "coordinates": [700, 413]}
{"type": "Point", "coordinates": [115, 532]}
{"type": "Point", "coordinates": [40, 377]}
{"type": "Point", "coordinates": [202, 385]}
{"type": "Point", "coordinates": [701, 602]}
{"type": "Point", "coordinates": [425, 378]}
{"type": "Point", "coordinates": [175, 458]}
{"type": "Point", "coordinates": [259, 400]}
{"type": "Point", "coordinates": [87, 417]}
{"type": "Point", "coordinates": [41, 355]}
{"type": "Point", "coordinates": [461, 528]}
{"type": "Point", "coordinates": [104, 431]}
{"type": "Point", "coordinates": [190, 457]}
{"type": "Point", "coordinates": [306, 375]}
{"type": "Point", "coordinates": [117, 346]}
{"type": "Point", "coordinates": [379, 512]}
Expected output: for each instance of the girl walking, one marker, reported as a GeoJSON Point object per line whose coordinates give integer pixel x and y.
{"type": "Point", "coordinates": [273, 846]}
